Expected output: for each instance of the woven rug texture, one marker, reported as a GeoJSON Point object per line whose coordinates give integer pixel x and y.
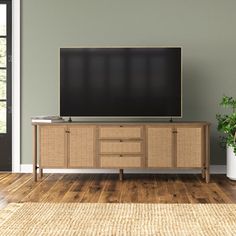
{"type": "Point", "coordinates": [117, 219]}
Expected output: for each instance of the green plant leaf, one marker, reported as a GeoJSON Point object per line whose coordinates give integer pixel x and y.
{"type": "Point", "coordinates": [227, 123]}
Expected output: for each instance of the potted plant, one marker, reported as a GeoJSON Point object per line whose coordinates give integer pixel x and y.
{"type": "Point", "coordinates": [227, 125]}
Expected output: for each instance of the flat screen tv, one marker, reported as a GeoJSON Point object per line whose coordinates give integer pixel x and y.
{"type": "Point", "coordinates": [121, 82]}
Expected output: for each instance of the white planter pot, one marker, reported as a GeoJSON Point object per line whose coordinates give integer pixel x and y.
{"type": "Point", "coordinates": [231, 164]}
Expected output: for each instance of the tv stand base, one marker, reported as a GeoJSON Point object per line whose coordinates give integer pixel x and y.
{"type": "Point", "coordinates": [182, 145]}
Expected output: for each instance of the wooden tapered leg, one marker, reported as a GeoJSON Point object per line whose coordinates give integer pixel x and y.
{"type": "Point", "coordinates": [121, 174]}
{"type": "Point", "coordinates": [203, 173]}
{"type": "Point", "coordinates": [41, 173]}
{"type": "Point", "coordinates": [207, 168]}
{"type": "Point", "coordinates": [207, 173]}
{"type": "Point", "coordinates": [35, 152]}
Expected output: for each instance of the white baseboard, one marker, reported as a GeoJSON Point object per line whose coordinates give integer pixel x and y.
{"type": "Point", "coordinates": [214, 169]}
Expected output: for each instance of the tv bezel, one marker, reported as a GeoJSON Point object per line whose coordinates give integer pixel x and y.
{"type": "Point", "coordinates": [123, 117]}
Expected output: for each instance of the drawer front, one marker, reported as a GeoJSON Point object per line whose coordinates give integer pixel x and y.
{"type": "Point", "coordinates": [120, 147]}
{"type": "Point", "coordinates": [120, 161]}
{"type": "Point", "coordinates": [120, 132]}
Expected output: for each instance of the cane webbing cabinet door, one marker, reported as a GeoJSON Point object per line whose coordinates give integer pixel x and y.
{"type": "Point", "coordinates": [159, 146]}
{"type": "Point", "coordinates": [53, 150]}
{"type": "Point", "coordinates": [189, 146]}
{"type": "Point", "coordinates": [81, 146]}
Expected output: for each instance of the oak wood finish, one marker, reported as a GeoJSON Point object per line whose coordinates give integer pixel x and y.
{"type": "Point", "coordinates": [120, 161]}
{"type": "Point", "coordinates": [124, 145]}
{"type": "Point", "coordinates": [142, 188]}
{"type": "Point", "coordinates": [35, 151]}
{"type": "Point", "coordinates": [81, 146]}
{"type": "Point", "coordinates": [120, 131]}
{"type": "Point", "coordinates": [189, 146]}
{"type": "Point", "coordinates": [207, 154]}
{"type": "Point", "coordinates": [120, 147]}
{"type": "Point", "coordinates": [159, 146]}
{"type": "Point", "coordinates": [121, 174]}
{"type": "Point", "coordinates": [53, 146]}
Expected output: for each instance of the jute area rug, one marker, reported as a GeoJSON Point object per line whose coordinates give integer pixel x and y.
{"type": "Point", "coordinates": [117, 219]}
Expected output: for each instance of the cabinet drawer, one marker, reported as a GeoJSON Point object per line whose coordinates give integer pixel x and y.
{"type": "Point", "coordinates": [120, 146]}
{"type": "Point", "coordinates": [116, 161]}
{"type": "Point", "coordinates": [120, 132]}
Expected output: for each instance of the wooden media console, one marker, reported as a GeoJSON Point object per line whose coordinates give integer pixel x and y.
{"type": "Point", "coordinates": [177, 145]}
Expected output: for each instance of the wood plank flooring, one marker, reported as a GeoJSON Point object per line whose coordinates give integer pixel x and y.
{"type": "Point", "coordinates": [135, 188]}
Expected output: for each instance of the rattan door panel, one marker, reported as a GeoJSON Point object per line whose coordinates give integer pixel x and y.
{"type": "Point", "coordinates": [81, 146]}
{"type": "Point", "coordinates": [120, 132]}
{"type": "Point", "coordinates": [120, 161]}
{"type": "Point", "coordinates": [160, 147]}
{"type": "Point", "coordinates": [53, 146]}
{"type": "Point", "coordinates": [189, 147]}
{"type": "Point", "coordinates": [120, 147]}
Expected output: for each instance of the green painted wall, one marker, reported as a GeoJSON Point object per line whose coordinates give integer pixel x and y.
{"type": "Point", "coordinates": [205, 29]}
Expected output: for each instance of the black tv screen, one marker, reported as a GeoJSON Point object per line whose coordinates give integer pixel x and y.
{"type": "Point", "coordinates": [120, 82]}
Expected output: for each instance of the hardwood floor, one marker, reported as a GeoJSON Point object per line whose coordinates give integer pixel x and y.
{"type": "Point", "coordinates": [148, 188]}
